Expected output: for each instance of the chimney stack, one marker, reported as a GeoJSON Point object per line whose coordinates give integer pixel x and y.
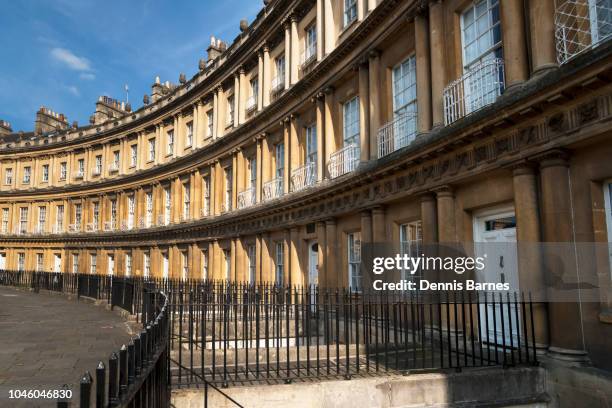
{"type": "Point", "coordinates": [215, 48]}
{"type": "Point", "coordinates": [108, 108]}
{"type": "Point", "coordinates": [5, 127]}
{"type": "Point", "coordinates": [49, 121]}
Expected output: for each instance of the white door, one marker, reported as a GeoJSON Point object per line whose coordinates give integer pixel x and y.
{"type": "Point", "coordinates": [165, 265]}
{"type": "Point", "coordinates": [313, 263]}
{"type": "Point", "coordinates": [57, 263]}
{"type": "Point", "coordinates": [495, 240]}
{"type": "Point", "coordinates": [2, 261]}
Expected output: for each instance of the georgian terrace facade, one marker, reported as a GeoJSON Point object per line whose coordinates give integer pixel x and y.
{"type": "Point", "coordinates": [328, 125]}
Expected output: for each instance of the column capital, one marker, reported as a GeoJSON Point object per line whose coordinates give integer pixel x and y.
{"type": "Point", "coordinates": [373, 53]}
{"type": "Point", "coordinates": [522, 167]}
{"type": "Point", "coordinates": [366, 213]}
{"type": "Point", "coordinates": [443, 191]}
{"type": "Point", "coordinates": [377, 210]}
{"type": "Point", "coordinates": [265, 47]}
{"type": "Point", "coordinates": [427, 197]}
{"type": "Point", "coordinates": [551, 158]}
{"type": "Point", "coordinates": [330, 221]}
{"type": "Point", "coordinates": [328, 90]}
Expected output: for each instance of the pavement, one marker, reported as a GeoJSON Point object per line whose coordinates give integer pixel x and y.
{"type": "Point", "coordinates": [48, 340]}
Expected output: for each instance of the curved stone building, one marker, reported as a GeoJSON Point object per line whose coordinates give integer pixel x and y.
{"type": "Point", "coordinates": [328, 125]}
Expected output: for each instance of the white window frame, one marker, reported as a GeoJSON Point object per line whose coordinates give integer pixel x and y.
{"type": "Point", "coordinates": [59, 219]}
{"type": "Point", "coordinates": [350, 12]}
{"type": "Point", "coordinates": [23, 220]}
{"type": "Point", "coordinates": [45, 173]}
{"type": "Point", "coordinates": [167, 205]}
{"type": "Point", "coordinates": [149, 208]}
{"type": "Point", "coordinates": [230, 109]}
{"type": "Point", "coordinates": [131, 210]}
{"type": "Point", "coordinates": [355, 274]}
{"type": "Point", "coordinates": [186, 200]}
{"type": "Point", "coordinates": [42, 218]}
{"type": "Point", "coordinates": [21, 261]}
{"type": "Point", "coordinates": [81, 167]}
{"type": "Point", "coordinates": [189, 134]}
{"type": "Point", "coordinates": [78, 215]}
{"type": "Point", "coordinates": [63, 171]}
{"type": "Point", "coordinates": [227, 260]}
{"type": "Point", "coordinates": [128, 264]}
{"type": "Point", "coordinates": [351, 122]}
{"type": "Point", "coordinates": [210, 122]}
{"type": "Point", "coordinates": [147, 264]}
{"type": "Point", "coordinates": [185, 265]}
{"type": "Point", "coordinates": [133, 155]}
{"type": "Point", "coordinates": [98, 164]}
{"type": "Point", "coordinates": [5, 220]}
{"type": "Point", "coordinates": [170, 143]}
{"type": "Point", "coordinates": [207, 195]}
{"type": "Point", "coordinates": [8, 176]}
{"type": "Point", "coordinates": [252, 263]}
{"type": "Point", "coordinates": [75, 263]}
{"type": "Point", "coordinates": [229, 188]}
{"type": "Point", "coordinates": [40, 262]}
{"type": "Point", "coordinates": [411, 241]}
{"type": "Point", "coordinates": [27, 174]}
{"type": "Point", "coordinates": [96, 214]}
{"type": "Point", "coordinates": [151, 150]}
{"type": "Point", "coordinates": [113, 214]}
{"type": "Point", "coordinates": [279, 262]}
{"type": "Point", "coordinates": [116, 159]}
{"type": "Point", "coordinates": [110, 264]}
{"type": "Point", "coordinates": [204, 264]}
{"type": "Point", "coordinates": [93, 264]}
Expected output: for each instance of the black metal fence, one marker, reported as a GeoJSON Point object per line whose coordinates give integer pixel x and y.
{"type": "Point", "coordinates": [217, 334]}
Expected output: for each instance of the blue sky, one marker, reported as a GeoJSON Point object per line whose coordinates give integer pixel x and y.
{"type": "Point", "coordinates": [64, 54]}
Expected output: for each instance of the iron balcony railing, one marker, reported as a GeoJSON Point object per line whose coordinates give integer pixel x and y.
{"type": "Point", "coordinates": [58, 229]}
{"type": "Point", "coordinates": [581, 25]}
{"type": "Point", "coordinates": [74, 227]}
{"type": "Point", "coordinates": [79, 174]}
{"type": "Point", "coordinates": [398, 133]}
{"type": "Point", "coordinates": [343, 161]}
{"type": "Point", "coordinates": [278, 84]}
{"type": "Point", "coordinates": [251, 103]}
{"type": "Point", "coordinates": [204, 212]}
{"type": "Point", "coordinates": [475, 89]}
{"type": "Point", "coordinates": [109, 226]}
{"type": "Point", "coordinates": [96, 172]}
{"type": "Point", "coordinates": [114, 167]}
{"type": "Point", "coordinates": [304, 176]}
{"type": "Point", "coordinates": [246, 198]}
{"type": "Point", "coordinates": [91, 227]}
{"type": "Point", "coordinates": [226, 206]}
{"type": "Point", "coordinates": [273, 189]}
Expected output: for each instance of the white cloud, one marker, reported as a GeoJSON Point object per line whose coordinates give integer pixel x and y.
{"type": "Point", "coordinates": [70, 60]}
{"type": "Point", "coordinates": [87, 76]}
{"type": "Point", "coordinates": [73, 90]}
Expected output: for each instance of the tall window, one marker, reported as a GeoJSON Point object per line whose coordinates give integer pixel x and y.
{"type": "Point", "coordinates": [27, 173]}
{"type": "Point", "coordinates": [5, 220]}
{"type": "Point", "coordinates": [170, 143]}
{"type": "Point", "coordinates": [151, 149]}
{"type": "Point", "coordinates": [75, 263]}
{"type": "Point", "coordinates": [77, 216]}
{"type": "Point", "coordinates": [59, 221]}
{"type": "Point", "coordinates": [310, 46]}
{"type": "Point", "coordinates": [23, 220]}
{"type": "Point", "coordinates": [39, 262]}
{"type": "Point", "coordinates": [255, 89]}
{"type": "Point", "coordinates": [96, 215]}
{"type": "Point", "coordinates": [351, 122]}
{"type": "Point", "coordinates": [608, 207]}
{"type": "Point", "coordinates": [228, 188]}
{"type": "Point", "coordinates": [128, 264]}
{"type": "Point", "coordinates": [131, 210]}
{"type": "Point", "coordinates": [204, 264]}
{"type": "Point", "coordinates": [45, 173]}
{"type": "Point", "coordinates": [149, 207]}
{"type": "Point", "coordinates": [147, 264]}
{"type": "Point", "coordinates": [111, 265]}
{"type": "Point", "coordinates": [63, 171]}
{"type": "Point", "coordinates": [252, 163]}
{"type": "Point", "coordinates": [185, 263]}
{"type": "Point", "coordinates": [354, 260]}
{"type": "Point", "coordinates": [8, 176]}
{"type": "Point", "coordinates": [252, 265]}
{"type": "Point", "coordinates": [350, 11]}
{"type": "Point", "coordinates": [81, 167]}
{"type": "Point", "coordinates": [311, 149]}
{"type": "Point", "coordinates": [279, 64]}
{"type": "Point", "coordinates": [279, 262]}
{"type": "Point", "coordinates": [98, 168]}
{"type": "Point", "coordinates": [133, 155]}
{"type": "Point", "coordinates": [404, 87]}
{"type": "Point", "coordinates": [167, 205]}
{"type": "Point", "coordinates": [206, 196]}
{"type": "Point", "coordinates": [410, 244]}
{"type": "Point", "coordinates": [210, 122]}
{"type": "Point", "coordinates": [186, 200]}
{"type": "Point", "coordinates": [280, 166]}
{"type": "Point", "coordinates": [189, 130]}
{"type": "Point", "coordinates": [21, 261]}
{"type": "Point", "coordinates": [116, 159]}
{"type": "Point", "coordinates": [230, 110]}
{"type": "Point", "coordinates": [228, 264]}
{"type": "Point", "coordinates": [93, 264]}
{"type": "Point", "coordinates": [42, 219]}
{"type": "Point", "coordinates": [113, 215]}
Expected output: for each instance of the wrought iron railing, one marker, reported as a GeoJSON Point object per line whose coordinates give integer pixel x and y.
{"type": "Point", "coordinates": [205, 211]}
{"type": "Point", "coordinates": [581, 25]}
{"type": "Point", "coordinates": [109, 226]}
{"type": "Point", "coordinates": [273, 189]}
{"type": "Point", "coordinates": [114, 167]}
{"type": "Point", "coordinates": [398, 133]}
{"type": "Point", "coordinates": [278, 84]}
{"type": "Point", "coordinates": [251, 103]}
{"type": "Point", "coordinates": [343, 161]}
{"type": "Point", "coordinates": [475, 89]}
{"type": "Point", "coordinates": [246, 198]}
{"type": "Point", "coordinates": [304, 176]}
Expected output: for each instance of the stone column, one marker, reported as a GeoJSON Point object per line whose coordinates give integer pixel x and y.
{"type": "Point", "coordinates": [294, 151]}
{"type": "Point", "coordinates": [565, 317]}
{"type": "Point", "coordinates": [295, 50]}
{"type": "Point", "coordinates": [296, 277]}
{"type": "Point", "coordinates": [361, 9]}
{"type": "Point", "coordinates": [234, 197]}
{"type": "Point", "coordinates": [447, 233]}
{"type": "Point", "coordinates": [515, 44]}
{"type": "Point", "coordinates": [243, 97]}
{"type": "Point", "coordinates": [367, 250]}
{"type": "Point", "coordinates": [329, 26]}
{"type": "Point", "coordinates": [232, 273]}
{"type": "Point", "coordinates": [423, 67]}
{"type": "Point", "coordinates": [237, 99]}
{"type": "Point", "coordinates": [320, 113]}
{"type": "Point", "coordinates": [330, 138]}
{"type": "Point", "coordinates": [287, 26]}
{"type": "Point", "coordinates": [320, 32]}
{"type": "Point", "coordinates": [322, 253]}
{"type": "Point", "coordinates": [438, 60]}
{"type": "Point", "coordinates": [429, 219]}
{"type": "Point", "coordinates": [286, 257]}
{"type": "Point", "coordinates": [265, 78]}
{"type": "Point", "coordinates": [260, 70]}
{"type": "Point", "coordinates": [215, 114]}
{"type": "Point", "coordinates": [379, 226]}
{"type": "Point", "coordinates": [286, 142]}
{"type": "Point", "coordinates": [542, 13]}
{"type": "Point", "coordinates": [332, 273]}
{"type": "Point", "coordinates": [375, 99]}
{"type": "Point", "coordinates": [366, 138]}
{"type": "Point", "coordinates": [259, 159]}
{"type": "Point", "coordinates": [531, 272]}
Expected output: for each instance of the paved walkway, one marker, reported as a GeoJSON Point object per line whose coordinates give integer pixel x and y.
{"type": "Point", "coordinates": [47, 340]}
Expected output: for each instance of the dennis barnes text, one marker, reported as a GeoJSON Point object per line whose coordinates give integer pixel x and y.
{"type": "Point", "coordinates": [425, 285]}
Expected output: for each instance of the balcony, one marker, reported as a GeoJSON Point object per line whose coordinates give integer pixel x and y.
{"type": "Point", "coordinates": [162, 221]}
{"type": "Point", "coordinates": [74, 228]}
{"type": "Point", "coordinates": [226, 206]}
{"type": "Point", "coordinates": [58, 229]}
{"type": "Point", "coordinates": [477, 88]}
{"type": "Point", "coordinates": [304, 176]}
{"type": "Point", "coordinates": [308, 56]}
{"type": "Point", "coordinates": [204, 212]}
{"type": "Point", "coordinates": [20, 230]}
{"type": "Point", "coordinates": [109, 226]}
{"type": "Point", "coordinates": [79, 174]}
{"type": "Point", "coordinates": [278, 84]}
{"type": "Point", "coordinates": [96, 172]}
{"type": "Point", "coordinates": [246, 198]}
{"type": "Point", "coordinates": [91, 227]}
{"type": "Point", "coordinates": [251, 104]}
{"type": "Point", "coordinates": [343, 161]}
{"type": "Point", "coordinates": [114, 168]}
{"type": "Point", "coordinates": [273, 189]}
{"type": "Point", "coordinates": [581, 25]}
{"type": "Point", "coordinates": [398, 133]}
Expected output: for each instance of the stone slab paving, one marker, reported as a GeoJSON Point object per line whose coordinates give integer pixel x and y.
{"type": "Point", "coordinates": [47, 340]}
